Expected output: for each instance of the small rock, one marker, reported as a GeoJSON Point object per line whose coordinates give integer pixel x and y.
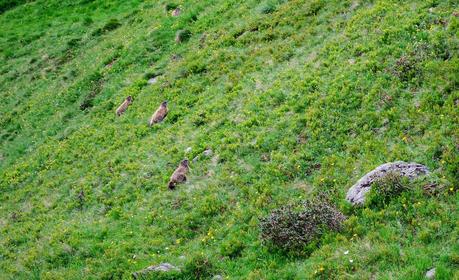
{"type": "Point", "coordinates": [354, 5]}
{"type": "Point", "coordinates": [195, 159]}
{"type": "Point", "coordinates": [210, 173]}
{"type": "Point", "coordinates": [202, 39]}
{"type": "Point", "coordinates": [215, 160]}
{"type": "Point", "coordinates": [430, 274]}
{"type": "Point", "coordinates": [265, 157]}
{"type": "Point", "coordinates": [67, 248]}
{"type": "Point", "coordinates": [182, 257]}
{"type": "Point", "coordinates": [152, 80]}
{"type": "Point", "coordinates": [432, 188]}
{"type": "Point", "coordinates": [176, 57]}
{"type": "Point", "coordinates": [208, 152]}
{"type": "Point", "coordinates": [188, 150]}
{"type": "Point", "coordinates": [356, 194]}
{"type": "Point", "coordinates": [176, 12]}
{"type": "Point", "coordinates": [217, 277]}
{"type": "Point", "coordinates": [351, 61]}
{"type": "Point", "coordinates": [110, 64]}
{"type": "Point", "coordinates": [164, 267]}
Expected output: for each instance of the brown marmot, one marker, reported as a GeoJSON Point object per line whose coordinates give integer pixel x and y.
{"type": "Point", "coordinates": [179, 175]}
{"type": "Point", "coordinates": [122, 108]}
{"type": "Point", "coordinates": [159, 114]}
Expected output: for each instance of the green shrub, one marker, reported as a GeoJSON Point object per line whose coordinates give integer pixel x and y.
{"type": "Point", "coordinates": [6, 5]}
{"type": "Point", "coordinates": [112, 24]}
{"type": "Point", "coordinates": [232, 247]}
{"type": "Point", "coordinates": [267, 8]}
{"type": "Point", "coordinates": [295, 226]}
{"type": "Point", "coordinates": [387, 188]}
{"type": "Point", "coordinates": [170, 6]}
{"type": "Point", "coordinates": [198, 267]}
{"type": "Point", "coordinates": [182, 36]}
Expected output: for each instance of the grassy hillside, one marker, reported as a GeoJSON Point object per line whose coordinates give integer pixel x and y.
{"type": "Point", "coordinates": [293, 97]}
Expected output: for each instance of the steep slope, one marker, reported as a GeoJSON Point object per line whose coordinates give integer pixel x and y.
{"type": "Point", "coordinates": [293, 97]}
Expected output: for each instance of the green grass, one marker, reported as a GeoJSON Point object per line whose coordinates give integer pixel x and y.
{"type": "Point", "coordinates": [293, 97]}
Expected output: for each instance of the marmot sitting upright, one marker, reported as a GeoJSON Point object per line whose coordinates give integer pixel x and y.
{"type": "Point", "coordinates": [122, 108]}
{"type": "Point", "coordinates": [159, 114]}
{"type": "Point", "coordinates": [179, 175]}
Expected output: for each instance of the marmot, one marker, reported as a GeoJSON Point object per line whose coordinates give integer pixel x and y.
{"type": "Point", "coordinates": [122, 108]}
{"type": "Point", "coordinates": [179, 175]}
{"type": "Point", "coordinates": [159, 114]}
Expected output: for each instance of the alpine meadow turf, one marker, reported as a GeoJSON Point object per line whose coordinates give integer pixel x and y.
{"type": "Point", "coordinates": [276, 101]}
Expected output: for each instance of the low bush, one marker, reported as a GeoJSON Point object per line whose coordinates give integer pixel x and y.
{"type": "Point", "coordinates": [182, 36]}
{"type": "Point", "coordinates": [111, 25]}
{"type": "Point", "coordinates": [387, 188]}
{"type": "Point", "coordinates": [170, 6]}
{"type": "Point", "coordinates": [295, 226]}
{"type": "Point", "coordinates": [198, 267]}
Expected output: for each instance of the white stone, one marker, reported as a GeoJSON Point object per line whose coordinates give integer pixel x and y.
{"type": "Point", "coordinates": [208, 152]}
{"type": "Point", "coordinates": [163, 267]}
{"type": "Point", "coordinates": [430, 274]}
{"type": "Point", "coordinates": [152, 80]}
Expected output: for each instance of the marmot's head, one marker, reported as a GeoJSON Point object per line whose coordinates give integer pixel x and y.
{"type": "Point", "coordinates": [129, 98]}
{"type": "Point", "coordinates": [184, 162]}
{"type": "Point", "coordinates": [164, 104]}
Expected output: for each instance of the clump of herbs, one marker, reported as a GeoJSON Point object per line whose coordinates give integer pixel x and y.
{"type": "Point", "coordinates": [296, 226]}
{"type": "Point", "coordinates": [182, 36]}
{"type": "Point", "coordinates": [387, 188]}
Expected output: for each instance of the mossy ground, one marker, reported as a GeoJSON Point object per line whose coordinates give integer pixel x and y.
{"type": "Point", "coordinates": [293, 97]}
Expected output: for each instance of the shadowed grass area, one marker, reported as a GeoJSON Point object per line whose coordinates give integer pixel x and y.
{"type": "Point", "coordinates": [292, 97]}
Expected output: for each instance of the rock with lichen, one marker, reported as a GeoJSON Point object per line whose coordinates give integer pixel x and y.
{"type": "Point", "coordinates": [356, 194]}
{"type": "Point", "coordinates": [164, 267]}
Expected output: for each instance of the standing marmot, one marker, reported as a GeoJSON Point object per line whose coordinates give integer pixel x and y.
{"type": "Point", "coordinates": [122, 108]}
{"type": "Point", "coordinates": [160, 114]}
{"type": "Point", "coordinates": [179, 175]}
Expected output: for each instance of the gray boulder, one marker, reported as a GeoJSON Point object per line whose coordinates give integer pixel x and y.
{"type": "Point", "coordinates": [356, 194]}
{"type": "Point", "coordinates": [164, 267]}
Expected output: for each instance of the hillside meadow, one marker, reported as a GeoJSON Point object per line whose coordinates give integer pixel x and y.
{"type": "Point", "coordinates": [293, 98]}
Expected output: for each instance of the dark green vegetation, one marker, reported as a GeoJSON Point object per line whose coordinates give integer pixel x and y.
{"type": "Point", "coordinates": [294, 227]}
{"type": "Point", "coordinates": [293, 97]}
{"type": "Point", "coordinates": [388, 187]}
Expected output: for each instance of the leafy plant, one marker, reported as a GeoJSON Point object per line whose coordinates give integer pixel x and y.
{"type": "Point", "coordinates": [170, 6]}
{"type": "Point", "coordinates": [198, 267]}
{"type": "Point", "coordinates": [387, 188]}
{"type": "Point", "coordinates": [112, 24]}
{"type": "Point", "coordinates": [182, 36]}
{"type": "Point", "coordinates": [295, 226]}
